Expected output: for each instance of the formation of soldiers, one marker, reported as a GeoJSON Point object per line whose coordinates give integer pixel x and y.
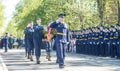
{"type": "Point", "coordinates": [8, 41]}
{"type": "Point", "coordinates": [98, 41]}
{"type": "Point", "coordinates": [34, 37]}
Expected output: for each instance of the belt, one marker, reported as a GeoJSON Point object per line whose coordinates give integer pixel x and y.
{"type": "Point", "coordinates": [89, 38]}
{"type": "Point", "coordinates": [85, 39]}
{"type": "Point", "coordinates": [105, 38]}
{"type": "Point", "coordinates": [111, 38]}
{"type": "Point", "coordinates": [116, 37]}
{"type": "Point", "coordinates": [95, 38]}
{"type": "Point", "coordinates": [61, 34]}
{"type": "Point", "coordinates": [100, 37]}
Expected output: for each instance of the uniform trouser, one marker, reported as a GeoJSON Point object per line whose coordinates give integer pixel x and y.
{"type": "Point", "coordinates": [77, 47]}
{"type": "Point", "coordinates": [47, 46]}
{"type": "Point", "coordinates": [90, 49]}
{"type": "Point", "coordinates": [103, 48]}
{"type": "Point", "coordinates": [54, 45]}
{"type": "Point", "coordinates": [30, 47]}
{"type": "Point", "coordinates": [37, 46]}
{"type": "Point", "coordinates": [80, 48]}
{"type": "Point", "coordinates": [6, 47]}
{"type": "Point", "coordinates": [87, 48]}
{"type": "Point", "coordinates": [84, 47]}
{"type": "Point", "coordinates": [96, 48]}
{"type": "Point", "coordinates": [113, 49]}
{"type": "Point", "coordinates": [60, 51]}
{"type": "Point", "coordinates": [93, 48]}
{"type": "Point", "coordinates": [26, 47]}
{"type": "Point", "coordinates": [10, 45]}
{"type": "Point", "coordinates": [118, 50]}
{"type": "Point", "coordinates": [99, 49]}
{"type": "Point", "coordinates": [106, 48]}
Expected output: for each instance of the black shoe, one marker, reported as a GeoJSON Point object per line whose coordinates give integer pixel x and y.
{"type": "Point", "coordinates": [31, 59]}
{"type": "Point", "coordinates": [61, 66]}
{"type": "Point", "coordinates": [57, 61]}
{"type": "Point", "coordinates": [28, 57]}
{"type": "Point", "coordinates": [38, 62]}
{"type": "Point", "coordinates": [49, 59]}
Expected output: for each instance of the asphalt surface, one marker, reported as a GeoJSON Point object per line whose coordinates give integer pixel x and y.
{"type": "Point", "coordinates": [15, 60]}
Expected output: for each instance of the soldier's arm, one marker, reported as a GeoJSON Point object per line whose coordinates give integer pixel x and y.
{"type": "Point", "coordinates": [53, 25]}
{"type": "Point", "coordinates": [68, 33]}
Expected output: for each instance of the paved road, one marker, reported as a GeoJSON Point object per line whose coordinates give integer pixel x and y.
{"type": "Point", "coordinates": [15, 60]}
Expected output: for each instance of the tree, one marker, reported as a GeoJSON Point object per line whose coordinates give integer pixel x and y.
{"type": "Point", "coordinates": [1, 16]}
{"type": "Point", "coordinates": [80, 13]}
{"type": "Point", "coordinates": [118, 6]}
{"type": "Point", "coordinates": [101, 9]}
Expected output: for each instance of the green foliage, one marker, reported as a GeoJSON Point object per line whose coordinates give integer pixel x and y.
{"type": "Point", "coordinates": [11, 28]}
{"type": "Point", "coordinates": [80, 13]}
{"type": "Point", "coordinates": [1, 15]}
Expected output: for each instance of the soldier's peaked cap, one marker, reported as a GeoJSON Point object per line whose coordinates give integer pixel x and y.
{"type": "Point", "coordinates": [38, 19]}
{"type": "Point", "coordinates": [61, 15]}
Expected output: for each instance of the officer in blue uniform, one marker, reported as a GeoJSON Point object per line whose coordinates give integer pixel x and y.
{"type": "Point", "coordinates": [118, 40]}
{"type": "Point", "coordinates": [30, 41]}
{"type": "Point", "coordinates": [101, 39]}
{"type": "Point", "coordinates": [6, 42]}
{"type": "Point", "coordinates": [112, 41]}
{"type": "Point", "coordinates": [37, 39]}
{"type": "Point", "coordinates": [62, 38]}
{"type": "Point", "coordinates": [26, 41]}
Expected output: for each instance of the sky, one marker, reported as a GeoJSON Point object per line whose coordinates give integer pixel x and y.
{"type": "Point", "coordinates": [8, 11]}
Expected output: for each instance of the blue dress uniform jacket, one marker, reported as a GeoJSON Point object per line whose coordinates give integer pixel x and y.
{"type": "Point", "coordinates": [30, 41]}
{"type": "Point", "coordinates": [26, 40]}
{"type": "Point", "coordinates": [118, 44]}
{"type": "Point", "coordinates": [37, 38]}
{"type": "Point", "coordinates": [6, 43]}
{"type": "Point", "coordinates": [61, 40]}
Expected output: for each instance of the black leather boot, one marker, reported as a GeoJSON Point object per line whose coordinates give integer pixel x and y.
{"type": "Point", "coordinates": [37, 60]}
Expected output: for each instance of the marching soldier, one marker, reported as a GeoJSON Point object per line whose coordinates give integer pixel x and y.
{"type": "Point", "coordinates": [30, 41]}
{"type": "Point", "coordinates": [118, 40]}
{"type": "Point", "coordinates": [47, 44]}
{"type": "Point", "coordinates": [5, 42]}
{"type": "Point", "coordinates": [37, 39]}
{"type": "Point", "coordinates": [26, 41]}
{"type": "Point", "coordinates": [62, 38]}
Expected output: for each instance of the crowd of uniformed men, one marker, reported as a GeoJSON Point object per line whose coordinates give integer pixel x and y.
{"type": "Point", "coordinates": [98, 41]}
{"type": "Point", "coordinates": [8, 42]}
{"type": "Point", "coordinates": [34, 36]}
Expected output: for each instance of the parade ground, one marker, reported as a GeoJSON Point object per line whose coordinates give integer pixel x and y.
{"type": "Point", "coordinates": [15, 60]}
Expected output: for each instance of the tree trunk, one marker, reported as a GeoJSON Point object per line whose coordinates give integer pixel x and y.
{"type": "Point", "coordinates": [101, 8]}
{"type": "Point", "coordinates": [118, 11]}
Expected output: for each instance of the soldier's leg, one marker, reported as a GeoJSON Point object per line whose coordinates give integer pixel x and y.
{"type": "Point", "coordinates": [31, 51]}
{"type": "Point", "coordinates": [60, 54]}
{"type": "Point", "coordinates": [37, 50]}
{"type": "Point", "coordinates": [48, 50]}
{"type": "Point", "coordinates": [6, 47]}
{"type": "Point", "coordinates": [118, 51]}
{"type": "Point", "coordinates": [111, 50]}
